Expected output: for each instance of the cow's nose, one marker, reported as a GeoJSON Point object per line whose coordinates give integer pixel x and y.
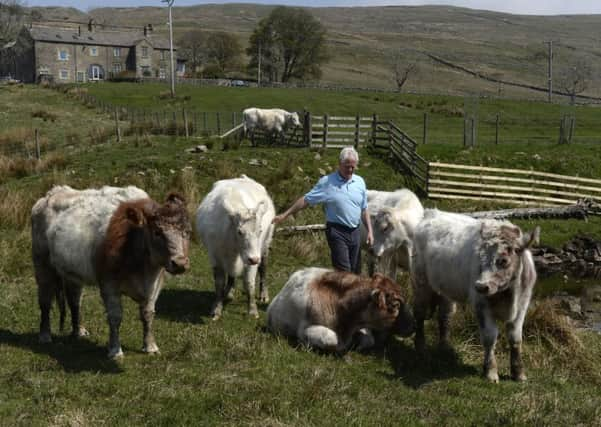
{"type": "Point", "coordinates": [178, 265]}
{"type": "Point", "coordinates": [482, 288]}
{"type": "Point", "coordinates": [253, 260]}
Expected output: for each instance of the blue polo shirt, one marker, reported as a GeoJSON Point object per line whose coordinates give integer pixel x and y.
{"type": "Point", "coordinates": [343, 200]}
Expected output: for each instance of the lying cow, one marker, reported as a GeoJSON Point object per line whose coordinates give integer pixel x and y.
{"type": "Point", "coordinates": [234, 224]}
{"type": "Point", "coordinates": [327, 309]}
{"type": "Point", "coordinates": [274, 122]}
{"type": "Point", "coordinates": [394, 215]}
{"type": "Point", "coordinates": [484, 262]}
{"type": "Point", "coordinates": [117, 238]}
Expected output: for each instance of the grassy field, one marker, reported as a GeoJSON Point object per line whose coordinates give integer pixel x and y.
{"type": "Point", "coordinates": [232, 372]}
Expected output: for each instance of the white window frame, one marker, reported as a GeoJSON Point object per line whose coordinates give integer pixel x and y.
{"type": "Point", "coordinates": [63, 74]}
{"type": "Point", "coordinates": [60, 54]}
{"type": "Point", "coordinates": [117, 68]}
{"type": "Point", "coordinates": [162, 73]}
{"type": "Point", "coordinates": [144, 51]}
{"type": "Point", "coordinates": [43, 71]}
{"type": "Point", "coordinates": [117, 52]}
{"type": "Point", "coordinates": [93, 50]}
{"type": "Point", "coordinates": [81, 74]}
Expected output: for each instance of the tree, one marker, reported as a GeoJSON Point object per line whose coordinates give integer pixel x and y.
{"type": "Point", "coordinates": [292, 45]}
{"type": "Point", "coordinates": [223, 50]}
{"type": "Point", "coordinates": [575, 76]}
{"type": "Point", "coordinates": [12, 14]}
{"type": "Point", "coordinates": [402, 71]}
{"type": "Point", "coordinates": [191, 46]}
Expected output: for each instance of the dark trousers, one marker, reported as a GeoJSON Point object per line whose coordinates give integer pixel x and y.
{"type": "Point", "coordinates": [345, 247]}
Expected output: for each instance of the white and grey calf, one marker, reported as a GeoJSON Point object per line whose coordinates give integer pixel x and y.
{"type": "Point", "coordinates": [234, 224]}
{"type": "Point", "coordinates": [273, 121]}
{"type": "Point", "coordinates": [394, 215]}
{"type": "Point", "coordinates": [116, 238]}
{"type": "Point", "coordinates": [327, 309]}
{"type": "Point", "coordinates": [483, 262]}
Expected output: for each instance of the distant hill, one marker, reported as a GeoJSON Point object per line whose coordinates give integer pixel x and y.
{"type": "Point", "coordinates": [365, 41]}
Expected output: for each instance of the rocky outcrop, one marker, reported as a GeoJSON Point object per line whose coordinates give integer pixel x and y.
{"type": "Point", "coordinates": [580, 256]}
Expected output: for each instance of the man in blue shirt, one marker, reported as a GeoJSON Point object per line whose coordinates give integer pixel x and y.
{"type": "Point", "coordinates": [344, 197]}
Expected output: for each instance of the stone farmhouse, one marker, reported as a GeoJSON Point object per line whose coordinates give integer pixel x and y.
{"type": "Point", "coordinates": [76, 53]}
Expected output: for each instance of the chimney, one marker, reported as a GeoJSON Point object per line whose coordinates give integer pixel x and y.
{"type": "Point", "coordinates": [79, 30]}
{"type": "Point", "coordinates": [150, 28]}
{"type": "Point", "coordinates": [145, 30]}
{"type": "Point", "coordinates": [90, 25]}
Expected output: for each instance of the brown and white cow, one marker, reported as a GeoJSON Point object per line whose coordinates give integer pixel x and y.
{"type": "Point", "coordinates": [326, 309]}
{"type": "Point", "coordinates": [483, 262]}
{"type": "Point", "coordinates": [116, 238]}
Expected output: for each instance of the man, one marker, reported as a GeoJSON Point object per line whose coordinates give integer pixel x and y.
{"type": "Point", "coordinates": [344, 196]}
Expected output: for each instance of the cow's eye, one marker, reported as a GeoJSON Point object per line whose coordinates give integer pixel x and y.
{"type": "Point", "coordinates": [157, 232]}
{"type": "Point", "coordinates": [502, 262]}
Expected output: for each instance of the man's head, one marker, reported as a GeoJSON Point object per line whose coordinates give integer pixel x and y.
{"type": "Point", "coordinates": [348, 160]}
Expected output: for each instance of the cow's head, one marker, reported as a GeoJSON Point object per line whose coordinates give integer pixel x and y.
{"type": "Point", "coordinates": [502, 246]}
{"type": "Point", "coordinates": [292, 120]}
{"type": "Point", "coordinates": [388, 232]}
{"type": "Point", "coordinates": [387, 308]}
{"type": "Point", "coordinates": [247, 226]}
{"type": "Point", "coordinates": [166, 231]}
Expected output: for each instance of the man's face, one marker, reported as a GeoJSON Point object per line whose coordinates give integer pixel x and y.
{"type": "Point", "coordinates": [347, 167]}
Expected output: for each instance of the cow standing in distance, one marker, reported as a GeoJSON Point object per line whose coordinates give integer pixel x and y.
{"type": "Point", "coordinates": [274, 122]}
{"type": "Point", "coordinates": [484, 262]}
{"type": "Point", "coordinates": [327, 309]}
{"type": "Point", "coordinates": [116, 238]}
{"type": "Point", "coordinates": [394, 216]}
{"type": "Point", "coordinates": [234, 224]}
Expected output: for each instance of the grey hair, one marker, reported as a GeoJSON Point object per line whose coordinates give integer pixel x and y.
{"type": "Point", "coordinates": [349, 153]}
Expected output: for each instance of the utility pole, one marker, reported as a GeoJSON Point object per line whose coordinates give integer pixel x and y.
{"type": "Point", "coordinates": [259, 70]}
{"type": "Point", "coordinates": [169, 4]}
{"type": "Point", "coordinates": [550, 72]}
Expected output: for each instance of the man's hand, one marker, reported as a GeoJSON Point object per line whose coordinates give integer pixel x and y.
{"type": "Point", "coordinates": [278, 218]}
{"type": "Point", "coordinates": [370, 239]}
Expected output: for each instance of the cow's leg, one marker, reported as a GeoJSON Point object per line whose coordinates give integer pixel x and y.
{"type": "Point", "coordinates": [48, 280]}
{"type": "Point", "coordinates": [365, 339]}
{"type": "Point", "coordinates": [422, 298]}
{"type": "Point", "coordinates": [372, 263]}
{"type": "Point", "coordinates": [250, 275]}
{"type": "Point", "coordinates": [488, 337]}
{"type": "Point", "coordinates": [219, 277]}
{"type": "Point", "coordinates": [446, 308]}
{"type": "Point", "coordinates": [114, 312]}
{"type": "Point", "coordinates": [74, 292]}
{"type": "Point", "coordinates": [321, 337]}
{"type": "Point", "coordinates": [229, 291]}
{"type": "Point", "coordinates": [147, 316]}
{"type": "Point", "coordinates": [514, 336]}
{"type": "Point", "coordinates": [263, 289]}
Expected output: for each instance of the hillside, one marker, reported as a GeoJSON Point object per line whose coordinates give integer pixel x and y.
{"type": "Point", "coordinates": [365, 41]}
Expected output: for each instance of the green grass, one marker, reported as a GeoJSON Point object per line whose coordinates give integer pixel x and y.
{"type": "Point", "coordinates": [232, 372]}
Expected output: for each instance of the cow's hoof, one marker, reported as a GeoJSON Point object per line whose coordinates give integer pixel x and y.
{"type": "Point", "coordinates": [521, 377]}
{"type": "Point", "coordinates": [115, 354]}
{"type": "Point", "coordinates": [254, 313]}
{"type": "Point", "coordinates": [230, 295]}
{"type": "Point", "coordinates": [45, 338]}
{"type": "Point", "coordinates": [216, 317]}
{"type": "Point", "coordinates": [81, 332]}
{"type": "Point", "coordinates": [264, 299]}
{"type": "Point", "coordinates": [151, 349]}
{"type": "Point", "coordinates": [493, 377]}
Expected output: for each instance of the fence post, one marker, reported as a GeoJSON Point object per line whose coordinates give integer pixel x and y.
{"type": "Point", "coordinates": [473, 123]}
{"type": "Point", "coordinates": [374, 128]}
{"type": "Point", "coordinates": [571, 133]}
{"type": "Point", "coordinates": [325, 131]}
{"type": "Point", "coordinates": [37, 145]}
{"type": "Point", "coordinates": [117, 129]}
{"type": "Point", "coordinates": [195, 123]}
{"type": "Point", "coordinates": [187, 133]}
{"type": "Point", "coordinates": [218, 125]}
{"type": "Point", "coordinates": [425, 128]}
{"type": "Point", "coordinates": [204, 121]}
{"type": "Point", "coordinates": [175, 129]}
{"type": "Point", "coordinates": [357, 121]}
{"type": "Point", "coordinates": [497, 130]}
{"type": "Point", "coordinates": [464, 131]}
{"type": "Point", "coordinates": [233, 120]}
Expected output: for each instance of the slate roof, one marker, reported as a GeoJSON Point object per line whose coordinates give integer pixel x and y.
{"type": "Point", "coordinates": [96, 38]}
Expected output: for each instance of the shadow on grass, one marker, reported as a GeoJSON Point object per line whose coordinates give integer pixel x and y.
{"type": "Point", "coordinates": [415, 369]}
{"type": "Point", "coordinates": [184, 305]}
{"type": "Point", "coordinates": [74, 355]}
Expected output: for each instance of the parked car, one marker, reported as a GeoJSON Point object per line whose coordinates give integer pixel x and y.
{"type": "Point", "coordinates": [239, 83]}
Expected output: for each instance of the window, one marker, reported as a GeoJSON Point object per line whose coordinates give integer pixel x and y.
{"type": "Point", "coordinates": [146, 71]}
{"type": "Point", "coordinates": [117, 68]}
{"type": "Point", "coordinates": [116, 51]}
{"type": "Point", "coordinates": [144, 52]}
{"type": "Point", "coordinates": [43, 71]}
{"type": "Point", "coordinates": [81, 77]}
{"type": "Point", "coordinates": [64, 74]}
{"type": "Point", "coordinates": [93, 51]}
{"type": "Point", "coordinates": [163, 55]}
{"type": "Point", "coordinates": [63, 55]}
{"type": "Point", "coordinates": [162, 73]}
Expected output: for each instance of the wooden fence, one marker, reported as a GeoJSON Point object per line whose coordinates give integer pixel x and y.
{"type": "Point", "coordinates": [338, 131]}
{"type": "Point", "coordinates": [517, 186]}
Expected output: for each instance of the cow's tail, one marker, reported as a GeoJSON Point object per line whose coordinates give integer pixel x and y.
{"type": "Point", "coordinates": [61, 302]}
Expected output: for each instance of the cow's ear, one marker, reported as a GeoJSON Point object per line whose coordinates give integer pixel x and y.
{"type": "Point", "coordinates": [530, 239]}
{"type": "Point", "coordinates": [379, 298]}
{"type": "Point", "coordinates": [135, 216]}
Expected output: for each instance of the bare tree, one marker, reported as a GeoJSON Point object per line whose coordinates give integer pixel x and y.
{"type": "Point", "coordinates": [192, 47]}
{"type": "Point", "coordinates": [402, 72]}
{"type": "Point", "coordinates": [12, 14]}
{"type": "Point", "coordinates": [575, 76]}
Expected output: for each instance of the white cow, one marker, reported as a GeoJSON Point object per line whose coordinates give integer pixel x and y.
{"type": "Point", "coordinates": [273, 121]}
{"type": "Point", "coordinates": [483, 262]}
{"type": "Point", "coordinates": [116, 238]}
{"type": "Point", "coordinates": [234, 224]}
{"type": "Point", "coordinates": [326, 309]}
{"type": "Point", "coordinates": [394, 215]}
